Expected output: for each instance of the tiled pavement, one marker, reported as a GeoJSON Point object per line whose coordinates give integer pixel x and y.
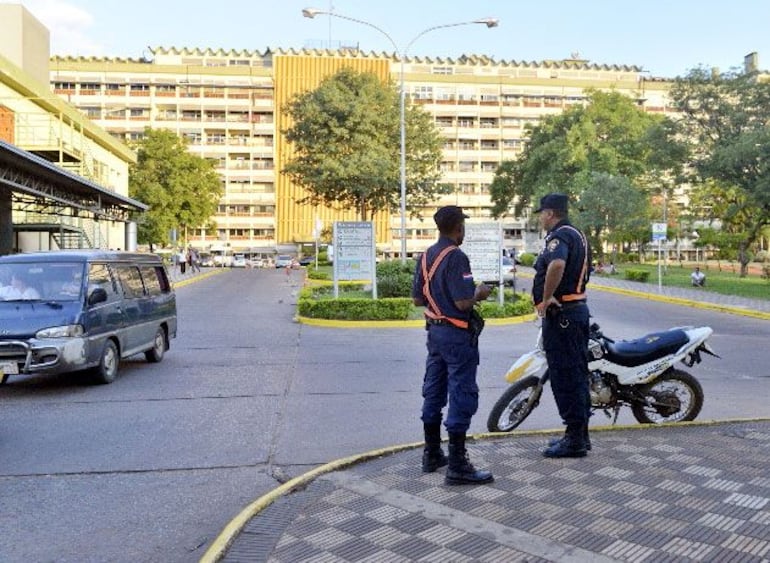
{"type": "Point", "coordinates": [660, 494]}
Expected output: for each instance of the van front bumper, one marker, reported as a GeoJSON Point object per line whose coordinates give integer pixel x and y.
{"type": "Point", "coordinates": [50, 356]}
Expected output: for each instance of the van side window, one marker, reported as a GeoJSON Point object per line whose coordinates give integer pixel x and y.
{"type": "Point", "coordinates": [99, 276]}
{"type": "Point", "coordinates": [151, 281]}
{"type": "Point", "coordinates": [130, 280]}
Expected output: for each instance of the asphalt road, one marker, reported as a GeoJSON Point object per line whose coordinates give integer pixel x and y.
{"type": "Point", "coordinates": [153, 466]}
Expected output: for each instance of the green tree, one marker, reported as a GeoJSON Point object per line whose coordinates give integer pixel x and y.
{"type": "Point", "coordinates": [611, 209]}
{"type": "Point", "coordinates": [182, 189]}
{"type": "Point", "coordinates": [346, 140]}
{"type": "Point", "coordinates": [610, 134]}
{"type": "Point", "coordinates": [727, 119]}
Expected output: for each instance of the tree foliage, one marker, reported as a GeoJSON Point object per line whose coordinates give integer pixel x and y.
{"type": "Point", "coordinates": [614, 210]}
{"type": "Point", "coordinates": [610, 135]}
{"type": "Point", "coordinates": [182, 189]}
{"type": "Point", "coordinates": [727, 119]}
{"type": "Point", "coordinates": [346, 140]}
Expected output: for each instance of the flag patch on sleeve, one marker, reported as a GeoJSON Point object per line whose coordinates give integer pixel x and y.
{"type": "Point", "coordinates": [468, 276]}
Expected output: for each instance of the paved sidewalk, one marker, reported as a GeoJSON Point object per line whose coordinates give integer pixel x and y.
{"type": "Point", "coordinates": [686, 492]}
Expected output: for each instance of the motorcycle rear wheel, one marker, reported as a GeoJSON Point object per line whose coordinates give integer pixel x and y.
{"type": "Point", "coordinates": [676, 396]}
{"type": "Point", "coordinates": [514, 405]}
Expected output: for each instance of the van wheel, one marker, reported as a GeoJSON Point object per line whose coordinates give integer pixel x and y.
{"type": "Point", "coordinates": [155, 354]}
{"type": "Point", "coordinates": [107, 370]}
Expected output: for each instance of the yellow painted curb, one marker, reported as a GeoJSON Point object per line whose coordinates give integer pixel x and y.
{"type": "Point", "coordinates": [687, 302]}
{"type": "Point", "coordinates": [219, 546]}
{"type": "Point", "coordinates": [417, 323]}
{"type": "Point", "coordinates": [188, 281]}
{"type": "Point", "coordinates": [677, 301]}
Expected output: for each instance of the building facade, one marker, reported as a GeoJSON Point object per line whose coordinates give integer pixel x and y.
{"type": "Point", "coordinates": [227, 104]}
{"type": "Point", "coordinates": [35, 120]}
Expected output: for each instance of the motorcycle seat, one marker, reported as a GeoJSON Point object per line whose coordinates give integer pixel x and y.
{"type": "Point", "coordinates": [631, 353]}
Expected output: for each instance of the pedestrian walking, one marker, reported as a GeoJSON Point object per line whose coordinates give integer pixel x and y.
{"type": "Point", "coordinates": [443, 283]}
{"type": "Point", "coordinates": [558, 290]}
{"type": "Point", "coordinates": [182, 260]}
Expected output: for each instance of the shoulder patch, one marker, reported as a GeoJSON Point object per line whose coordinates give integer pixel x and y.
{"type": "Point", "coordinates": [553, 245]}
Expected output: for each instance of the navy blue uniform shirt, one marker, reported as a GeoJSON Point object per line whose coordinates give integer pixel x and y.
{"type": "Point", "coordinates": [564, 242]}
{"type": "Point", "coordinates": [452, 281]}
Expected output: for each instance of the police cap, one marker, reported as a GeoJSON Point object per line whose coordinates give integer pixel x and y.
{"type": "Point", "coordinates": [553, 201]}
{"type": "Point", "coordinates": [448, 217]}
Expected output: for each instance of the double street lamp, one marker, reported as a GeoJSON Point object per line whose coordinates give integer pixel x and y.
{"type": "Point", "coordinates": [489, 22]}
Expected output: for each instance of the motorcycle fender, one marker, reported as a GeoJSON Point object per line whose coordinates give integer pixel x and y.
{"type": "Point", "coordinates": [531, 363]}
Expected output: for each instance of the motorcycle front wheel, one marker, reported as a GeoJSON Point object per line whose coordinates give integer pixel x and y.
{"type": "Point", "coordinates": [676, 396]}
{"type": "Point", "coordinates": [515, 404]}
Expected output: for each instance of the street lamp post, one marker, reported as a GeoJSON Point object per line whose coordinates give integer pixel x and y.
{"type": "Point", "coordinates": [489, 22]}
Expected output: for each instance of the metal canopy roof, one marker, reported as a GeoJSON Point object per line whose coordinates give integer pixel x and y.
{"type": "Point", "coordinates": [46, 183]}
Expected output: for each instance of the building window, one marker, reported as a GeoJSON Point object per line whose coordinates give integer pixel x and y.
{"type": "Point", "coordinates": [442, 70]}
{"type": "Point", "coordinates": [422, 93]}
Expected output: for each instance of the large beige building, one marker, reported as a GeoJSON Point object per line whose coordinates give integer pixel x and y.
{"type": "Point", "coordinates": [227, 105]}
{"type": "Point", "coordinates": [63, 180]}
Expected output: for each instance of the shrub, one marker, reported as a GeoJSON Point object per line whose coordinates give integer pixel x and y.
{"type": "Point", "coordinates": [313, 274]}
{"type": "Point", "coordinates": [636, 275]}
{"type": "Point", "coordinates": [766, 272]}
{"type": "Point", "coordinates": [394, 279]}
{"type": "Point", "coordinates": [516, 306]}
{"type": "Point", "coordinates": [356, 309]}
{"type": "Point", "coordinates": [527, 258]}
{"type": "Point", "coordinates": [762, 256]}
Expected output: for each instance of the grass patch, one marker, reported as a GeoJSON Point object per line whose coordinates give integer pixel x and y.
{"type": "Point", "coordinates": [725, 282]}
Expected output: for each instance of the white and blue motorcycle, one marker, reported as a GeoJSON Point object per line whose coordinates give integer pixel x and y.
{"type": "Point", "coordinates": [636, 373]}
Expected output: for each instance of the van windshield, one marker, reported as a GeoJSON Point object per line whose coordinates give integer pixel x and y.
{"type": "Point", "coordinates": [47, 281]}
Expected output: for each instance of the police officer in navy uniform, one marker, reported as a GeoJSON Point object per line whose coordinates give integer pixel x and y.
{"type": "Point", "coordinates": [453, 354]}
{"type": "Point", "coordinates": [558, 290]}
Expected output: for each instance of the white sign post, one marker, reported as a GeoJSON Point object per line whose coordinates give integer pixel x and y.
{"type": "Point", "coordinates": [354, 253]}
{"type": "Point", "coordinates": [483, 244]}
{"type": "Point", "coordinates": [659, 235]}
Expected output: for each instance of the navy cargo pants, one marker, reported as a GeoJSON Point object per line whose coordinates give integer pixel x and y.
{"type": "Point", "coordinates": [450, 372]}
{"type": "Point", "coordinates": [565, 340]}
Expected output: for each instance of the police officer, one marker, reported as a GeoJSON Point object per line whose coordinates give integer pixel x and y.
{"type": "Point", "coordinates": [558, 290]}
{"type": "Point", "coordinates": [443, 283]}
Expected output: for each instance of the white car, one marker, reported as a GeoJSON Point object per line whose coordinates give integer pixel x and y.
{"type": "Point", "coordinates": [239, 261]}
{"type": "Point", "coordinates": [284, 261]}
{"type": "Point", "coordinates": [508, 268]}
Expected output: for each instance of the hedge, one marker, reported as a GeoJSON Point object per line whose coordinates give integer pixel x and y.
{"type": "Point", "coordinates": [317, 302]}
{"type": "Point", "coordinates": [636, 275]}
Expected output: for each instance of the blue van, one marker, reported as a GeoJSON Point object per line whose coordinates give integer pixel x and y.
{"type": "Point", "coordinates": [65, 311]}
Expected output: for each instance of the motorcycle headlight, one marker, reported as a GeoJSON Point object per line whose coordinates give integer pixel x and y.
{"type": "Point", "coordinates": [67, 331]}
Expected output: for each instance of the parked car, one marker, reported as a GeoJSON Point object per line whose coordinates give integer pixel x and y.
{"type": "Point", "coordinates": [508, 267]}
{"type": "Point", "coordinates": [284, 261]}
{"type": "Point", "coordinates": [306, 260]}
{"type": "Point", "coordinates": [239, 261]}
{"type": "Point", "coordinates": [65, 311]}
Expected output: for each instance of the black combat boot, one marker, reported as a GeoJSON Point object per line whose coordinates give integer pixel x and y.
{"type": "Point", "coordinates": [586, 439]}
{"type": "Point", "coordinates": [461, 470]}
{"type": "Point", "coordinates": [572, 445]}
{"type": "Point", "coordinates": [432, 456]}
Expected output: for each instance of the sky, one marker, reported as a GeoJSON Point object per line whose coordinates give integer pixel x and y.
{"type": "Point", "coordinates": [664, 37]}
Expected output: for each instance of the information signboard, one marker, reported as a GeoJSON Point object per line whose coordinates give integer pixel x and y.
{"type": "Point", "coordinates": [659, 232]}
{"type": "Point", "coordinates": [483, 244]}
{"type": "Point", "coordinates": [354, 251]}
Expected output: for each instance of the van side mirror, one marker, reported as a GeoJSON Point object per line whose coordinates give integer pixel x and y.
{"type": "Point", "coordinates": [97, 295]}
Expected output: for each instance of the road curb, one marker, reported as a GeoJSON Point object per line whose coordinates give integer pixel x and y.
{"type": "Point", "coordinates": [687, 302]}
{"type": "Point", "coordinates": [417, 323]}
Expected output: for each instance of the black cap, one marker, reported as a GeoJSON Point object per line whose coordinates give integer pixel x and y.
{"type": "Point", "coordinates": [553, 201]}
{"type": "Point", "coordinates": [448, 217]}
